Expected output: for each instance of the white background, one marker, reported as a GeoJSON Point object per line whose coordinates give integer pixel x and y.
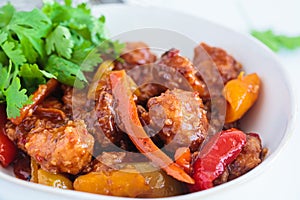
{"type": "Point", "coordinates": [280, 181]}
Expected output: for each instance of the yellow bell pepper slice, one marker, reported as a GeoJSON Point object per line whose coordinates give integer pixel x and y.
{"type": "Point", "coordinates": [115, 183]}
{"type": "Point", "coordinates": [241, 94]}
{"type": "Point", "coordinates": [54, 180]}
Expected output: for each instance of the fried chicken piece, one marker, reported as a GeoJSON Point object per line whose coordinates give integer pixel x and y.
{"type": "Point", "coordinates": [135, 53]}
{"type": "Point", "coordinates": [227, 66]}
{"type": "Point", "coordinates": [179, 118]}
{"type": "Point", "coordinates": [248, 159]}
{"type": "Point", "coordinates": [186, 68]}
{"type": "Point", "coordinates": [57, 143]}
{"type": "Point", "coordinates": [64, 149]}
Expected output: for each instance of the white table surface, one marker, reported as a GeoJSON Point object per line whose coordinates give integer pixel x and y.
{"type": "Point", "coordinates": [280, 181]}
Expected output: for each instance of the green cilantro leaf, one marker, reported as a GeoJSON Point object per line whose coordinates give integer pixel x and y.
{"type": "Point", "coordinates": [14, 52]}
{"type": "Point", "coordinates": [117, 48]}
{"type": "Point", "coordinates": [16, 98]}
{"type": "Point", "coordinates": [3, 57]}
{"type": "Point", "coordinates": [59, 40]}
{"type": "Point", "coordinates": [29, 52]}
{"type": "Point", "coordinates": [98, 31]}
{"type": "Point", "coordinates": [47, 74]}
{"type": "Point", "coordinates": [3, 37]}
{"type": "Point", "coordinates": [289, 42]}
{"type": "Point", "coordinates": [32, 77]}
{"type": "Point", "coordinates": [91, 60]}
{"type": "Point", "coordinates": [5, 80]}
{"type": "Point", "coordinates": [33, 25]}
{"type": "Point", "coordinates": [86, 57]}
{"type": "Point", "coordinates": [4, 74]}
{"type": "Point", "coordinates": [277, 42]}
{"type": "Point", "coordinates": [6, 13]}
{"type": "Point", "coordinates": [56, 12]}
{"type": "Point", "coordinates": [66, 72]}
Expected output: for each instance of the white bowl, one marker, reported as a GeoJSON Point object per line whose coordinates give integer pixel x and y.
{"type": "Point", "coordinates": [273, 114]}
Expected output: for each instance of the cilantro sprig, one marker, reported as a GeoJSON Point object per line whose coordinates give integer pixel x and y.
{"type": "Point", "coordinates": [57, 41]}
{"type": "Point", "coordinates": [275, 41]}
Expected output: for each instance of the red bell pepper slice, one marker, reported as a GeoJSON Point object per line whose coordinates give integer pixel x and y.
{"type": "Point", "coordinates": [8, 149]}
{"type": "Point", "coordinates": [221, 150]}
{"type": "Point", "coordinates": [128, 115]}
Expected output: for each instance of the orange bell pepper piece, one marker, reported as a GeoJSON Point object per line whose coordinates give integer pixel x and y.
{"type": "Point", "coordinates": [128, 115]}
{"type": "Point", "coordinates": [183, 158]}
{"type": "Point", "coordinates": [241, 94]}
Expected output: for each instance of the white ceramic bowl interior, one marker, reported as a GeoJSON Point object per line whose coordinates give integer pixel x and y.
{"type": "Point", "coordinates": [272, 116]}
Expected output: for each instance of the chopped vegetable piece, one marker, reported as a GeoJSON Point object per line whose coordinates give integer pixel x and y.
{"type": "Point", "coordinates": [34, 170]}
{"type": "Point", "coordinates": [8, 149]}
{"type": "Point", "coordinates": [54, 180]}
{"type": "Point", "coordinates": [241, 94]}
{"type": "Point", "coordinates": [116, 183]}
{"type": "Point", "coordinates": [131, 180]}
{"type": "Point", "coordinates": [161, 185]}
{"type": "Point", "coordinates": [183, 158]}
{"type": "Point", "coordinates": [277, 42]}
{"type": "Point", "coordinates": [220, 151]}
{"type": "Point", "coordinates": [127, 111]}
{"type": "Point", "coordinates": [42, 92]}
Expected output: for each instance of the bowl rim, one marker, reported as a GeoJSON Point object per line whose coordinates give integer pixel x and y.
{"type": "Point", "coordinates": [289, 129]}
